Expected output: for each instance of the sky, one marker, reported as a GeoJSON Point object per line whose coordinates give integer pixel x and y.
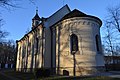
{"type": "Point", "coordinates": [18, 20]}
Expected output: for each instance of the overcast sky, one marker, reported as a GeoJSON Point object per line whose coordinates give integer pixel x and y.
{"type": "Point", "coordinates": [18, 20]}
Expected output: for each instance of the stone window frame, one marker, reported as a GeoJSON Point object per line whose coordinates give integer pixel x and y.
{"type": "Point", "coordinates": [77, 43]}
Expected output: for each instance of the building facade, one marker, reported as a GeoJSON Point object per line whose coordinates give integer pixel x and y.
{"type": "Point", "coordinates": [48, 44]}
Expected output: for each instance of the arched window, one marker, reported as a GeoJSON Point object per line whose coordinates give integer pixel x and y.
{"type": "Point", "coordinates": [73, 43]}
{"type": "Point", "coordinates": [97, 42]}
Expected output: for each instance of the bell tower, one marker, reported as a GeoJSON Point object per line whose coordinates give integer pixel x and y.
{"type": "Point", "coordinates": [35, 20]}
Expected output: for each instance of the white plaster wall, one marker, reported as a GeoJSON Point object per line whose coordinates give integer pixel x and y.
{"type": "Point", "coordinates": [18, 52]}
{"type": "Point", "coordinates": [57, 16]}
{"type": "Point", "coordinates": [29, 59]}
{"type": "Point", "coordinates": [47, 54]}
{"type": "Point", "coordinates": [87, 57]}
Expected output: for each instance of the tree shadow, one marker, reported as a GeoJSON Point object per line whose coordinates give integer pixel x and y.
{"type": "Point", "coordinates": [62, 47]}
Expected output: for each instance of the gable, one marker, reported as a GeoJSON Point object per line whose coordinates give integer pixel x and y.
{"type": "Point", "coordinates": [57, 16]}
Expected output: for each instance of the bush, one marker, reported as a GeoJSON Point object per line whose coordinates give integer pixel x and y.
{"type": "Point", "coordinates": [41, 72]}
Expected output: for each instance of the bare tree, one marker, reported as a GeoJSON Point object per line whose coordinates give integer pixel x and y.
{"type": "Point", "coordinates": [112, 30]}
{"type": "Point", "coordinates": [108, 40]}
{"type": "Point", "coordinates": [7, 53]}
{"type": "Point", "coordinates": [3, 33]}
{"type": "Point", "coordinates": [8, 3]}
{"type": "Point", "coordinates": [114, 17]}
{"type": "Point", "coordinates": [111, 49]}
{"type": "Point", "coordinates": [111, 39]}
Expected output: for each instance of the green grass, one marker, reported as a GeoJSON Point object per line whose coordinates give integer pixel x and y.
{"type": "Point", "coordinates": [20, 75]}
{"type": "Point", "coordinates": [30, 76]}
{"type": "Point", "coordinates": [79, 78]}
{"type": "Point", "coordinates": [2, 77]}
{"type": "Point", "coordinates": [101, 78]}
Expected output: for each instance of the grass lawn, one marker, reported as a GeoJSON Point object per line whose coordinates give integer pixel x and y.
{"type": "Point", "coordinates": [2, 77]}
{"type": "Point", "coordinates": [30, 76]}
{"type": "Point", "coordinates": [20, 75]}
{"type": "Point", "coordinates": [101, 78]}
{"type": "Point", "coordinates": [79, 78]}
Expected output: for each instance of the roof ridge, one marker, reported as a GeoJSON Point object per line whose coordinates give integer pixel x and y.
{"type": "Point", "coordinates": [59, 10]}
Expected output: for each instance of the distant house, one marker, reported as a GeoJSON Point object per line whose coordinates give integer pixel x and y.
{"type": "Point", "coordinates": [112, 63]}
{"type": "Point", "coordinates": [67, 41]}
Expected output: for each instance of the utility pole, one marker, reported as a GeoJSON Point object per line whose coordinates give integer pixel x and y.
{"type": "Point", "coordinates": [74, 48]}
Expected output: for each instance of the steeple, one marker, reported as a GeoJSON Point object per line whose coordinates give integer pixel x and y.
{"type": "Point", "coordinates": [35, 20]}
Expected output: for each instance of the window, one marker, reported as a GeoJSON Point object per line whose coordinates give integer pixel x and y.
{"type": "Point", "coordinates": [73, 43]}
{"type": "Point", "coordinates": [97, 42]}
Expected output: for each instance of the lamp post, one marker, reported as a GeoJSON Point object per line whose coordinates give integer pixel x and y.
{"type": "Point", "coordinates": [74, 65]}
{"type": "Point", "coordinates": [74, 49]}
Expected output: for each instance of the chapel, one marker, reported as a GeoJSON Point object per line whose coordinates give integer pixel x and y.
{"type": "Point", "coordinates": [67, 43]}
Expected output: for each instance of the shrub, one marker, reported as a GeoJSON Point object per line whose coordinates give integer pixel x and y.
{"type": "Point", "coordinates": [41, 72]}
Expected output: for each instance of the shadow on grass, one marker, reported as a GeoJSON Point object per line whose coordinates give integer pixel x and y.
{"type": "Point", "coordinates": [78, 78]}
{"type": "Point", "coordinates": [30, 76]}
{"type": "Point", "coordinates": [2, 77]}
{"type": "Point", "coordinates": [21, 75]}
